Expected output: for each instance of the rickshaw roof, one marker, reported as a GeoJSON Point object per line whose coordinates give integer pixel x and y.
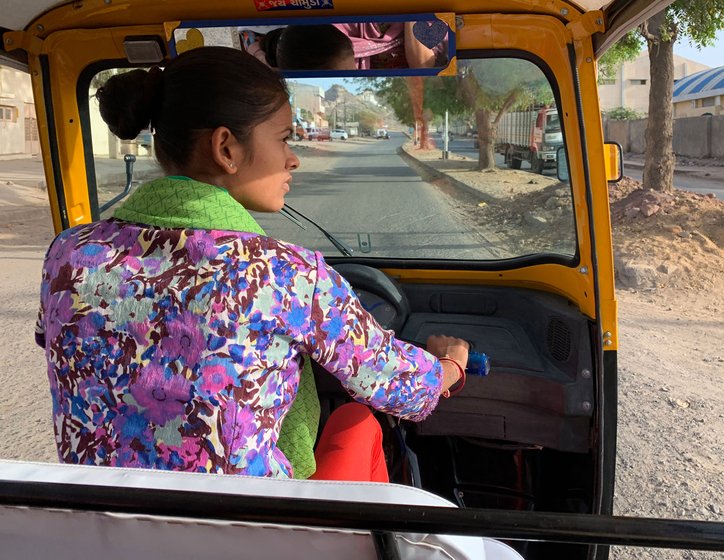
{"type": "Point", "coordinates": [620, 15]}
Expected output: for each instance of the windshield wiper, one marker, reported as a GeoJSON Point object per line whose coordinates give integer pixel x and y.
{"type": "Point", "coordinates": [288, 212]}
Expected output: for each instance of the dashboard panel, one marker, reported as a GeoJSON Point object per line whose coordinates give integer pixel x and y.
{"type": "Point", "coordinates": [540, 389]}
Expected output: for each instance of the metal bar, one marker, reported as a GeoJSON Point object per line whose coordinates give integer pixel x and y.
{"type": "Point", "coordinates": [291, 218]}
{"type": "Point", "coordinates": [520, 525]}
{"type": "Point", "coordinates": [130, 160]}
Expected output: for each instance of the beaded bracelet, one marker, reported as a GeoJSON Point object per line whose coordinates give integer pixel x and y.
{"type": "Point", "coordinates": [446, 393]}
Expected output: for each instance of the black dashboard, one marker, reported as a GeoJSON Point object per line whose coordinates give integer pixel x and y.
{"type": "Point", "coordinates": [540, 387]}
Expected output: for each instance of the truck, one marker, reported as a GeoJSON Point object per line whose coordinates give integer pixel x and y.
{"type": "Point", "coordinates": [533, 136]}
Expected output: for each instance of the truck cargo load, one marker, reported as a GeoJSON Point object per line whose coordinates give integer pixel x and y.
{"type": "Point", "coordinates": [533, 136]}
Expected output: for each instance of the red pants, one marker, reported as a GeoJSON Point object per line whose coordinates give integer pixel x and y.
{"type": "Point", "coordinates": [350, 447]}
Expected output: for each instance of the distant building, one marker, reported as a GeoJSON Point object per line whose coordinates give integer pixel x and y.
{"type": "Point", "coordinates": [368, 96]}
{"type": "Point", "coordinates": [18, 123]}
{"type": "Point", "coordinates": [699, 94]}
{"type": "Point", "coordinates": [310, 98]}
{"type": "Point", "coordinates": [630, 85]}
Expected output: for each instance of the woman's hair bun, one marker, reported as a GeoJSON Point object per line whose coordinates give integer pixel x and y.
{"type": "Point", "coordinates": [127, 101]}
{"type": "Point", "coordinates": [269, 44]}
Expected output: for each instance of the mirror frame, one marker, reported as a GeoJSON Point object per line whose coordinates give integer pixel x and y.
{"type": "Point", "coordinates": [448, 18]}
{"type": "Point", "coordinates": [613, 161]}
{"type": "Point", "coordinates": [562, 165]}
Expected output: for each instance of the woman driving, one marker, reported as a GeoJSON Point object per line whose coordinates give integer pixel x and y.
{"type": "Point", "coordinates": [176, 332]}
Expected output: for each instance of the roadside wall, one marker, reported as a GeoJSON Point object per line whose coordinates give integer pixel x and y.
{"type": "Point", "coordinates": [18, 128]}
{"type": "Point", "coordinates": [717, 131]}
{"type": "Point", "coordinates": [697, 137]}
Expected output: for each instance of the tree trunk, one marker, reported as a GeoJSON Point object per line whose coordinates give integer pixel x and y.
{"type": "Point", "coordinates": [416, 87]}
{"type": "Point", "coordinates": [424, 135]}
{"type": "Point", "coordinates": [659, 159]}
{"type": "Point", "coordinates": [487, 133]}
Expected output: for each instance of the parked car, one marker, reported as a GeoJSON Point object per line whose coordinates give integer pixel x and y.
{"type": "Point", "coordinates": [314, 133]}
{"type": "Point", "coordinates": [339, 134]}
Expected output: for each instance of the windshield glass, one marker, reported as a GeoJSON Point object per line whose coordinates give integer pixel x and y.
{"type": "Point", "coordinates": [552, 121]}
{"type": "Point", "coordinates": [430, 167]}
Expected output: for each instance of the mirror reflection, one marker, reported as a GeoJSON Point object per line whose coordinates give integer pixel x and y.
{"type": "Point", "coordinates": [395, 45]}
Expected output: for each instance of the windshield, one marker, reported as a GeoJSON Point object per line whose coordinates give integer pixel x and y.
{"type": "Point", "coordinates": [552, 121]}
{"type": "Point", "coordinates": [431, 167]}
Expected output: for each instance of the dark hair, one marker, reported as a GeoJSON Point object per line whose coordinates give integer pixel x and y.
{"type": "Point", "coordinates": [199, 90]}
{"type": "Point", "coordinates": [306, 47]}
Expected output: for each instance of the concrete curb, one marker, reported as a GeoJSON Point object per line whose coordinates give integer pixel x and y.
{"type": "Point", "coordinates": [478, 194]}
{"type": "Point", "coordinates": [695, 171]}
{"type": "Point", "coordinates": [11, 157]}
{"type": "Point", "coordinates": [635, 165]}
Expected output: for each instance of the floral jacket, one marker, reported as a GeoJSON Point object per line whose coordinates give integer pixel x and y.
{"type": "Point", "coordinates": [180, 349]}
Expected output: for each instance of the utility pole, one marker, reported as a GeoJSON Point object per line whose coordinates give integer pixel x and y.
{"type": "Point", "coordinates": [293, 101]}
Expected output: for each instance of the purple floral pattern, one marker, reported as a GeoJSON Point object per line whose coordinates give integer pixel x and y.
{"type": "Point", "coordinates": [181, 349]}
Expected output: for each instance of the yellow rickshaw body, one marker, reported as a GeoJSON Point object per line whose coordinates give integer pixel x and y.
{"type": "Point", "coordinates": [74, 37]}
{"type": "Point", "coordinates": [64, 45]}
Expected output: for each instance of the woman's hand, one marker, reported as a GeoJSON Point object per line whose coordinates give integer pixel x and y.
{"type": "Point", "coordinates": [451, 347]}
{"type": "Point", "coordinates": [417, 54]}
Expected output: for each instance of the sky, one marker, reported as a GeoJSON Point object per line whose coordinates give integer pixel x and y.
{"type": "Point", "coordinates": [711, 56]}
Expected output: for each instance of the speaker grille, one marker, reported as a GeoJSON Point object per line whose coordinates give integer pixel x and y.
{"type": "Point", "coordinates": [559, 340]}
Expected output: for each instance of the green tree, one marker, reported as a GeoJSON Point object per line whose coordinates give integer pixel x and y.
{"type": "Point", "coordinates": [368, 121]}
{"type": "Point", "coordinates": [406, 97]}
{"type": "Point", "coordinates": [484, 89]}
{"type": "Point", "coordinates": [394, 93]}
{"type": "Point", "coordinates": [696, 20]}
{"type": "Point", "coordinates": [491, 88]}
{"type": "Point", "coordinates": [626, 49]}
{"type": "Point", "coordinates": [623, 114]}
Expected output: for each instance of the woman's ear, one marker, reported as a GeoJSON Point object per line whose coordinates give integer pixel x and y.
{"type": "Point", "coordinates": [226, 152]}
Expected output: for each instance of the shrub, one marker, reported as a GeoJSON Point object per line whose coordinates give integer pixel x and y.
{"type": "Point", "coordinates": [623, 114]}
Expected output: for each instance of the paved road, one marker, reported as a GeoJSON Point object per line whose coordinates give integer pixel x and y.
{"type": "Point", "coordinates": [375, 203]}
{"type": "Point", "coordinates": [684, 181]}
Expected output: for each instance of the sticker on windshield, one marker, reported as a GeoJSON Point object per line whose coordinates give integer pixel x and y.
{"type": "Point", "coordinates": [264, 5]}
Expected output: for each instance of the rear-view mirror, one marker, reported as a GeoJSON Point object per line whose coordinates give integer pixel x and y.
{"type": "Point", "coordinates": [418, 44]}
{"type": "Point", "coordinates": [562, 165]}
{"type": "Point", "coordinates": [613, 160]}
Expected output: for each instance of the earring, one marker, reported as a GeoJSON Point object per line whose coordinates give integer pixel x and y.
{"type": "Point", "coordinates": [231, 164]}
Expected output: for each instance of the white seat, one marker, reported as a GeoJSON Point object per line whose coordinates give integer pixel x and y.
{"type": "Point", "coordinates": [36, 532]}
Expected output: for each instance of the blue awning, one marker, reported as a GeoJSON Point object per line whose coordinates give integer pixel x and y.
{"type": "Point", "coordinates": [706, 83]}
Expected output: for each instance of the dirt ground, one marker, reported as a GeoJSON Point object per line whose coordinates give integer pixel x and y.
{"type": "Point", "coordinates": [669, 260]}
{"type": "Point", "coordinates": [669, 254]}
{"type": "Point", "coordinates": [669, 265]}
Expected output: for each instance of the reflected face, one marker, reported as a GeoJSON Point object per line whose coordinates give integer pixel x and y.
{"type": "Point", "coordinates": [262, 182]}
